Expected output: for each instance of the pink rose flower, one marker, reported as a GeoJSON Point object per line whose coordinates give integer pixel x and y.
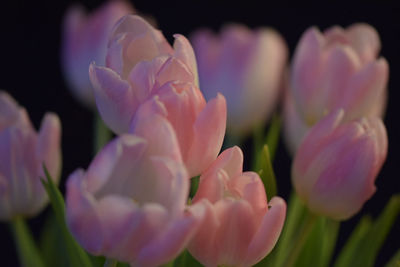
{"type": "Point", "coordinates": [130, 203]}
{"type": "Point", "coordinates": [336, 69]}
{"type": "Point", "coordinates": [246, 67]}
{"type": "Point", "coordinates": [337, 163]}
{"type": "Point", "coordinates": [239, 228]}
{"type": "Point", "coordinates": [85, 38]}
{"type": "Point", "coordinates": [23, 152]}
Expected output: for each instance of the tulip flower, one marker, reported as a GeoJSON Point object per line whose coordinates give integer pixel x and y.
{"type": "Point", "coordinates": [246, 67]}
{"type": "Point", "coordinates": [239, 228]}
{"type": "Point", "coordinates": [143, 67]}
{"type": "Point", "coordinates": [139, 59]}
{"type": "Point", "coordinates": [199, 126]}
{"type": "Point", "coordinates": [85, 38]}
{"type": "Point", "coordinates": [337, 163]}
{"type": "Point", "coordinates": [336, 69]}
{"type": "Point", "coordinates": [129, 204]}
{"type": "Point", "coordinates": [23, 152]}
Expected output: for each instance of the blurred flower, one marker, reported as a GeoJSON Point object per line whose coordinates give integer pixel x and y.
{"type": "Point", "coordinates": [129, 204]}
{"type": "Point", "coordinates": [246, 67]}
{"type": "Point", "coordinates": [336, 69]}
{"type": "Point", "coordinates": [337, 163]}
{"type": "Point", "coordinates": [85, 39]}
{"type": "Point", "coordinates": [22, 155]}
{"type": "Point", "coordinates": [239, 228]}
{"type": "Point", "coordinates": [143, 67]}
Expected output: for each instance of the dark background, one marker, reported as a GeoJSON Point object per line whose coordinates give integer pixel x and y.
{"type": "Point", "coordinates": [30, 70]}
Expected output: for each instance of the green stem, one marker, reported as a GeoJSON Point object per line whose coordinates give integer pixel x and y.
{"type": "Point", "coordinates": [301, 240]}
{"type": "Point", "coordinates": [101, 133]}
{"type": "Point", "coordinates": [27, 250]}
{"type": "Point", "coordinates": [110, 263]}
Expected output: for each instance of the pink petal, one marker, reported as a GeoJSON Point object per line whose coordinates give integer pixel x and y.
{"type": "Point", "coordinates": [114, 98]}
{"type": "Point", "coordinates": [365, 40]}
{"type": "Point", "coordinates": [365, 88]}
{"type": "Point", "coordinates": [268, 233]}
{"type": "Point", "coordinates": [209, 129]}
{"type": "Point", "coordinates": [184, 51]}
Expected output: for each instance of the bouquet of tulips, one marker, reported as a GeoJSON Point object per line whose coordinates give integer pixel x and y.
{"type": "Point", "coordinates": [166, 186]}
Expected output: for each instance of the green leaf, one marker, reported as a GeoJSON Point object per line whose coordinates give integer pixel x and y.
{"type": "Point", "coordinates": [354, 242]}
{"type": "Point", "coordinates": [377, 231]}
{"type": "Point", "coordinates": [52, 243]}
{"type": "Point", "coordinates": [320, 244]}
{"type": "Point", "coordinates": [194, 184]}
{"type": "Point", "coordinates": [101, 133]}
{"type": "Point", "coordinates": [267, 174]}
{"type": "Point", "coordinates": [76, 255]}
{"type": "Point", "coordinates": [395, 260]}
{"type": "Point", "coordinates": [29, 255]}
{"type": "Point", "coordinates": [186, 259]}
{"type": "Point", "coordinates": [273, 134]}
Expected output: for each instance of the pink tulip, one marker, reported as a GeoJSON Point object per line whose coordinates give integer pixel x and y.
{"type": "Point", "coordinates": [143, 67]}
{"type": "Point", "coordinates": [129, 204]}
{"type": "Point", "coordinates": [139, 60]}
{"type": "Point", "coordinates": [199, 126]}
{"type": "Point", "coordinates": [239, 228]}
{"type": "Point", "coordinates": [23, 152]}
{"type": "Point", "coordinates": [337, 163]}
{"type": "Point", "coordinates": [85, 40]}
{"type": "Point", "coordinates": [246, 67]}
{"type": "Point", "coordinates": [337, 69]}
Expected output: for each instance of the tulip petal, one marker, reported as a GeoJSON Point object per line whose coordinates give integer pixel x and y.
{"type": "Point", "coordinates": [209, 129]}
{"type": "Point", "coordinates": [184, 51]}
{"type": "Point", "coordinates": [114, 98]}
{"type": "Point", "coordinates": [365, 40]}
{"type": "Point", "coordinates": [268, 233]}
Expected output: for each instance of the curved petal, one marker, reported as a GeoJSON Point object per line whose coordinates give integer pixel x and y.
{"type": "Point", "coordinates": [209, 129]}
{"type": "Point", "coordinates": [365, 40]}
{"type": "Point", "coordinates": [184, 51]}
{"type": "Point", "coordinates": [168, 245]}
{"type": "Point", "coordinates": [82, 218]}
{"type": "Point", "coordinates": [268, 233]}
{"type": "Point", "coordinates": [114, 98]}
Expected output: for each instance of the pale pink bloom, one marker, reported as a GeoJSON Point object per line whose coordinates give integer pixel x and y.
{"type": "Point", "coordinates": [139, 60]}
{"type": "Point", "coordinates": [337, 69]}
{"type": "Point", "coordinates": [23, 152]}
{"type": "Point", "coordinates": [239, 228]}
{"type": "Point", "coordinates": [85, 38]}
{"type": "Point", "coordinates": [129, 204]}
{"type": "Point", "coordinates": [337, 163]}
{"type": "Point", "coordinates": [144, 67]}
{"type": "Point", "coordinates": [199, 126]}
{"type": "Point", "coordinates": [246, 66]}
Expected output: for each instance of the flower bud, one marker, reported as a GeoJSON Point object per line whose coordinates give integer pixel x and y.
{"type": "Point", "coordinates": [130, 203]}
{"type": "Point", "coordinates": [246, 67]}
{"type": "Point", "coordinates": [239, 228]}
{"type": "Point", "coordinates": [337, 69]}
{"type": "Point", "coordinates": [23, 152]}
{"type": "Point", "coordinates": [337, 163]}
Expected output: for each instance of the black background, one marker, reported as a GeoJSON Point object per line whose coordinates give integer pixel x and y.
{"type": "Point", "coordinates": [30, 70]}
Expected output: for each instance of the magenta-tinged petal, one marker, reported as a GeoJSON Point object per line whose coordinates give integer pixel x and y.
{"type": "Point", "coordinates": [82, 218]}
{"type": "Point", "coordinates": [170, 244]}
{"type": "Point", "coordinates": [116, 157]}
{"type": "Point", "coordinates": [184, 52]}
{"type": "Point", "coordinates": [209, 129]}
{"type": "Point", "coordinates": [11, 113]}
{"type": "Point", "coordinates": [268, 233]}
{"type": "Point", "coordinates": [366, 88]}
{"type": "Point", "coordinates": [114, 98]}
{"type": "Point", "coordinates": [306, 66]}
